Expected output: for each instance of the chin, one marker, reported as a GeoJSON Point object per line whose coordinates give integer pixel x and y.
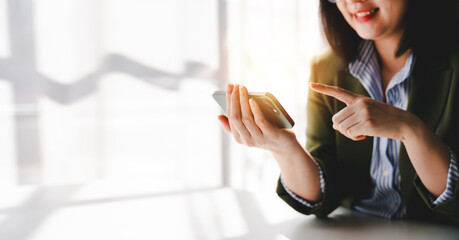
{"type": "Point", "coordinates": [368, 35]}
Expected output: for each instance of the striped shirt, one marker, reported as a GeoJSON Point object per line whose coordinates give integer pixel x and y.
{"type": "Point", "coordinates": [386, 199]}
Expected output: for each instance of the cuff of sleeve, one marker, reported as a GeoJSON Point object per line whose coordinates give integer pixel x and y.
{"type": "Point", "coordinates": [453, 175]}
{"type": "Point", "coordinates": [300, 199]}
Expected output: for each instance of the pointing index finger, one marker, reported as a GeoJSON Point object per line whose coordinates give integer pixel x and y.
{"type": "Point", "coordinates": [336, 92]}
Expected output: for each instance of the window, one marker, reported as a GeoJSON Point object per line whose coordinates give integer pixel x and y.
{"type": "Point", "coordinates": [109, 90]}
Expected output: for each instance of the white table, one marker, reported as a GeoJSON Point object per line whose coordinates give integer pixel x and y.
{"type": "Point", "coordinates": [99, 211]}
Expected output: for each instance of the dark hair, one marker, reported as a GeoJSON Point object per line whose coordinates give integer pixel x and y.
{"type": "Point", "coordinates": [431, 27]}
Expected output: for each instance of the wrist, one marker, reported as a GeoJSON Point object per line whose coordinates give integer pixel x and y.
{"type": "Point", "coordinates": [411, 128]}
{"type": "Point", "coordinates": [290, 148]}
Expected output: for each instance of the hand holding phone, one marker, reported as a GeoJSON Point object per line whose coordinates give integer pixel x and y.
{"type": "Point", "coordinates": [271, 108]}
{"type": "Point", "coordinates": [256, 119]}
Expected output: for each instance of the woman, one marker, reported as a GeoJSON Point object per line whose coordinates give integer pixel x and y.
{"type": "Point", "coordinates": [383, 114]}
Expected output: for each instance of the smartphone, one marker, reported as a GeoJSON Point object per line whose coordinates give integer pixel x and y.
{"type": "Point", "coordinates": [269, 106]}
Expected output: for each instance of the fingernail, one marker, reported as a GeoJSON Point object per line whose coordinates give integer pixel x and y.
{"type": "Point", "coordinates": [241, 90]}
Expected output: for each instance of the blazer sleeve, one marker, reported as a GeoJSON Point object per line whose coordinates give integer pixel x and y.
{"type": "Point", "coordinates": [321, 145]}
{"type": "Point", "coordinates": [450, 135]}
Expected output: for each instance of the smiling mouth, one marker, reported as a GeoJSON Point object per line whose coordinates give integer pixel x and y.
{"type": "Point", "coordinates": [365, 15]}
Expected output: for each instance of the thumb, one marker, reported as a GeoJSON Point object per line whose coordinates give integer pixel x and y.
{"type": "Point", "coordinates": [291, 132]}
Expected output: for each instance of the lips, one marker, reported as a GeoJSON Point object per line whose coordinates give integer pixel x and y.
{"type": "Point", "coordinates": [365, 15]}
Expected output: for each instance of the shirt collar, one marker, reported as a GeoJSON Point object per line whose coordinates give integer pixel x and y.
{"type": "Point", "coordinates": [366, 69]}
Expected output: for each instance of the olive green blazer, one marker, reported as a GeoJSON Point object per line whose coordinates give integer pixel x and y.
{"type": "Point", "coordinates": [434, 98]}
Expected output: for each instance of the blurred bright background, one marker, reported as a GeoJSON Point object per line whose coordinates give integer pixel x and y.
{"type": "Point", "coordinates": [106, 102]}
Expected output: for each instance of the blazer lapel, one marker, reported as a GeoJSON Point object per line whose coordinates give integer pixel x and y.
{"type": "Point", "coordinates": [427, 100]}
{"type": "Point", "coordinates": [362, 158]}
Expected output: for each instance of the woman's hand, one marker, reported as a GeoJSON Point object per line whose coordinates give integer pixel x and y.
{"type": "Point", "coordinates": [364, 116]}
{"type": "Point", "coordinates": [248, 126]}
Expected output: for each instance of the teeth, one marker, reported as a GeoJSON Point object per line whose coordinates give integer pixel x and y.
{"type": "Point", "coordinates": [363, 14]}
